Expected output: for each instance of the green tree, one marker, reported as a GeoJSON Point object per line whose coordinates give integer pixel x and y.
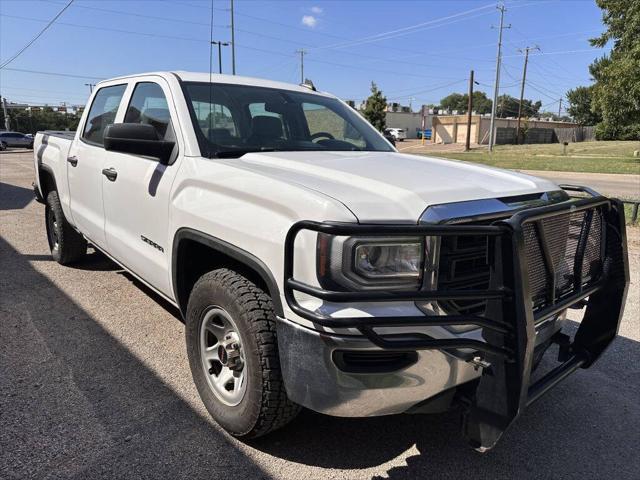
{"type": "Point", "coordinates": [460, 101]}
{"type": "Point", "coordinates": [32, 121]}
{"type": "Point", "coordinates": [375, 110]}
{"type": "Point", "coordinates": [508, 107]}
{"type": "Point", "coordinates": [581, 106]}
{"type": "Point", "coordinates": [455, 101]}
{"type": "Point", "coordinates": [552, 116]}
{"type": "Point", "coordinates": [616, 92]}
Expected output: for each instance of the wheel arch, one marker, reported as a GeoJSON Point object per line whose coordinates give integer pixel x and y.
{"type": "Point", "coordinates": [212, 253]}
{"type": "Point", "coordinates": [47, 180]}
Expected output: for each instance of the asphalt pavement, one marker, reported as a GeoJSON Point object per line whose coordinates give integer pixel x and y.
{"type": "Point", "coordinates": [95, 383]}
{"type": "Point", "coordinates": [622, 186]}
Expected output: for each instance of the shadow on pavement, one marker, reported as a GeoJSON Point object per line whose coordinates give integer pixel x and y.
{"type": "Point", "coordinates": [13, 197]}
{"type": "Point", "coordinates": [94, 261]}
{"type": "Point", "coordinates": [75, 403]}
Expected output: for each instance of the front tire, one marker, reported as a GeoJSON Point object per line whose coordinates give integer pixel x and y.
{"type": "Point", "coordinates": [67, 246]}
{"type": "Point", "coordinates": [233, 355]}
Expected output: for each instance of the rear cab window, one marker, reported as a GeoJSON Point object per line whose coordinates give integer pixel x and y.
{"type": "Point", "coordinates": [102, 113]}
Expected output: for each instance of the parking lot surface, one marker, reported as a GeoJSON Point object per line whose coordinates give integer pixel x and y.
{"type": "Point", "coordinates": [95, 383]}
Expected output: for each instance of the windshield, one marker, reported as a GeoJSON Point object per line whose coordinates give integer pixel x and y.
{"type": "Point", "coordinates": [231, 120]}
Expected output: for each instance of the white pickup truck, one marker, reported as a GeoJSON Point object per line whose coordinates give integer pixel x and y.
{"type": "Point", "coordinates": [315, 266]}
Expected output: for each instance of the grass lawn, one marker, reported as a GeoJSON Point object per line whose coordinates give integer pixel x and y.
{"type": "Point", "coordinates": [628, 214]}
{"type": "Point", "coordinates": [593, 157]}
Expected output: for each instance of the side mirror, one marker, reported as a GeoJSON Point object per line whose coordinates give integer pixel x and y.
{"type": "Point", "coordinates": [138, 139]}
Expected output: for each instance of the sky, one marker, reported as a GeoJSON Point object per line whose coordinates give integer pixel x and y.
{"type": "Point", "coordinates": [416, 51]}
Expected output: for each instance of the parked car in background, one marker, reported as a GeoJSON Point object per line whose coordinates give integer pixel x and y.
{"type": "Point", "coordinates": [399, 134]}
{"type": "Point", "coordinates": [15, 139]}
{"type": "Point", "coordinates": [390, 138]}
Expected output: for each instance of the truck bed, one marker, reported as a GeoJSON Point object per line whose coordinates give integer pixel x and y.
{"type": "Point", "coordinates": [58, 133]}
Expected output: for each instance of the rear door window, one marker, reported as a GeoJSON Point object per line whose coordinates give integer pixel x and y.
{"type": "Point", "coordinates": [102, 113]}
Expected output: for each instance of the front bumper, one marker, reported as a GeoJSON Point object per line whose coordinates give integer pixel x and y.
{"type": "Point", "coordinates": [506, 350]}
{"type": "Point", "coordinates": [314, 379]}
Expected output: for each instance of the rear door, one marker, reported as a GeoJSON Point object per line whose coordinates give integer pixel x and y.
{"type": "Point", "coordinates": [85, 163]}
{"type": "Point", "coordinates": [137, 202]}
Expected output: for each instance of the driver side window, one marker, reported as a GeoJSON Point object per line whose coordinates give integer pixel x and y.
{"type": "Point", "coordinates": [321, 119]}
{"type": "Point", "coordinates": [148, 105]}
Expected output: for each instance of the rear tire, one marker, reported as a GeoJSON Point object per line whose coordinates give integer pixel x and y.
{"type": "Point", "coordinates": [226, 307]}
{"type": "Point", "coordinates": [67, 246]}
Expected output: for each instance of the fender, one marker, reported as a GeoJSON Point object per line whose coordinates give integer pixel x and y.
{"type": "Point", "coordinates": [231, 251]}
{"type": "Point", "coordinates": [46, 168]}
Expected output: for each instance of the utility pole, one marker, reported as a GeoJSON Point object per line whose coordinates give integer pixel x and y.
{"type": "Point", "coordinates": [559, 108]}
{"type": "Point", "coordinates": [233, 42]}
{"type": "Point", "coordinates": [467, 144]}
{"type": "Point", "coordinates": [90, 85]}
{"type": "Point", "coordinates": [302, 53]}
{"type": "Point", "coordinates": [524, 79]}
{"type": "Point", "coordinates": [497, 82]}
{"type": "Point", "coordinates": [220, 45]}
{"type": "Point", "coordinates": [7, 124]}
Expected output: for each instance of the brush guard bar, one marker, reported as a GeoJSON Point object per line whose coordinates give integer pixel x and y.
{"type": "Point", "coordinates": [508, 325]}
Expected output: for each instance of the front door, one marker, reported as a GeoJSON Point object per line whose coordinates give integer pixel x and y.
{"type": "Point", "coordinates": [85, 163]}
{"type": "Point", "coordinates": [137, 200]}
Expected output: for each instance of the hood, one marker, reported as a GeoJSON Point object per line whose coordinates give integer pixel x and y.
{"type": "Point", "coordinates": [391, 186]}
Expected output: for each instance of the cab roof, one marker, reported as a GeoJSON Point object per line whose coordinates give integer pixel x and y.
{"type": "Point", "coordinates": [221, 78]}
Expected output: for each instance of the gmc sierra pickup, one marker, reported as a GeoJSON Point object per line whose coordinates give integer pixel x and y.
{"type": "Point", "coordinates": [315, 266]}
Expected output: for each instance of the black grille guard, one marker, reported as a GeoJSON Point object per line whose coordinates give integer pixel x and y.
{"type": "Point", "coordinates": [508, 326]}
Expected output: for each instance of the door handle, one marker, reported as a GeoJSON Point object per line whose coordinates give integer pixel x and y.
{"type": "Point", "coordinates": [110, 173]}
{"type": "Point", "coordinates": [73, 160]}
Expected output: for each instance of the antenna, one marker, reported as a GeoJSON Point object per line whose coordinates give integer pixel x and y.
{"type": "Point", "coordinates": [210, 73]}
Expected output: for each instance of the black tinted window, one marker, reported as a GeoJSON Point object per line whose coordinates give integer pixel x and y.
{"type": "Point", "coordinates": [231, 120]}
{"type": "Point", "coordinates": [149, 106]}
{"type": "Point", "coordinates": [103, 112]}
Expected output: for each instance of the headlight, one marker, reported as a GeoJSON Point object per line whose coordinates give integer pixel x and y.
{"type": "Point", "coordinates": [370, 262]}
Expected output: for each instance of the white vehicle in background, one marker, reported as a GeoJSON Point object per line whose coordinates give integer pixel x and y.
{"type": "Point", "coordinates": [399, 134]}
{"type": "Point", "coordinates": [316, 266]}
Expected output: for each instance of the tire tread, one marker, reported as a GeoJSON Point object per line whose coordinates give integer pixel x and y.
{"type": "Point", "coordinates": [276, 410]}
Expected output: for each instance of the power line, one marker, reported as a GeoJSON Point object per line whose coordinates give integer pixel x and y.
{"type": "Point", "coordinates": [107, 29]}
{"type": "Point", "coordinates": [433, 89]}
{"type": "Point", "coordinates": [139, 15]}
{"type": "Point", "coordinates": [57, 74]}
{"type": "Point", "coordinates": [559, 52]}
{"type": "Point", "coordinates": [403, 31]}
{"type": "Point", "coordinates": [32, 41]}
{"type": "Point", "coordinates": [153, 35]}
{"type": "Point", "coordinates": [41, 90]}
{"type": "Point", "coordinates": [540, 91]}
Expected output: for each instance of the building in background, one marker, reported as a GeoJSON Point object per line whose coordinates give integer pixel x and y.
{"type": "Point", "coordinates": [453, 129]}
{"type": "Point", "coordinates": [411, 122]}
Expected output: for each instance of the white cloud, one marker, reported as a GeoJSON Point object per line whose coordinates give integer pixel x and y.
{"type": "Point", "coordinates": [309, 21]}
{"type": "Point", "coordinates": [316, 10]}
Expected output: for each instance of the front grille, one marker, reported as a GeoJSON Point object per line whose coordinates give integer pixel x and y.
{"type": "Point", "coordinates": [463, 263]}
